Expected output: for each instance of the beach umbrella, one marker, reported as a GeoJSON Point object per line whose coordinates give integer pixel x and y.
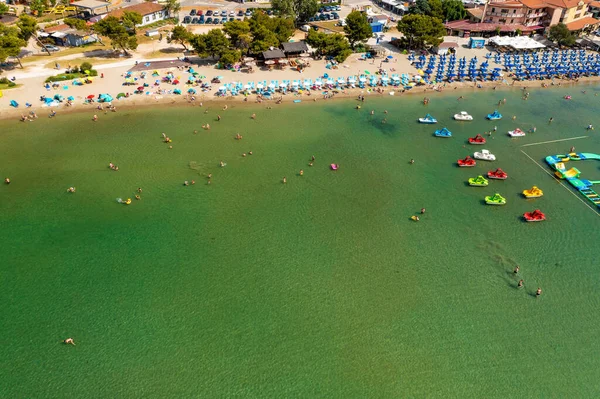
{"type": "Point", "coordinates": [191, 91]}
{"type": "Point", "coordinates": [260, 86]}
{"type": "Point", "coordinates": [91, 96]}
{"type": "Point", "coordinates": [367, 72]}
{"type": "Point", "coordinates": [71, 98]}
{"type": "Point", "coordinates": [121, 95]}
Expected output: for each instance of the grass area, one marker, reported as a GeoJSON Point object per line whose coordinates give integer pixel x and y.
{"type": "Point", "coordinates": [4, 86]}
{"type": "Point", "coordinates": [73, 50]}
{"type": "Point", "coordinates": [329, 25]}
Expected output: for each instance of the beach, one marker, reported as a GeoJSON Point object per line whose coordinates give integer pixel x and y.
{"type": "Point", "coordinates": [319, 287]}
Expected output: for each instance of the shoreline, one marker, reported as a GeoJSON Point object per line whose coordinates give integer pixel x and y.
{"type": "Point", "coordinates": [206, 99]}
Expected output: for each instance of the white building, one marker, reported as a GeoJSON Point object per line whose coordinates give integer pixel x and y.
{"type": "Point", "coordinates": [150, 12]}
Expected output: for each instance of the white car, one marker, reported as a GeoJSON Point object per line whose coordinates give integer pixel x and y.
{"type": "Point", "coordinates": [305, 28]}
{"type": "Point", "coordinates": [232, 13]}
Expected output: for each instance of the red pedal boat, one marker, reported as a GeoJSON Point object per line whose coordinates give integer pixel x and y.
{"type": "Point", "coordinates": [468, 162]}
{"type": "Point", "coordinates": [497, 174]}
{"type": "Point", "coordinates": [535, 216]}
{"type": "Point", "coordinates": [477, 140]}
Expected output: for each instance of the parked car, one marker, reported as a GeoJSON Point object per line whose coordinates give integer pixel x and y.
{"type": "Point", "coordinates": [201, 19]}
{"type": "Point", "coordinates": [209, 13]}
{"type": "Point", "coordinates": [200, 12]}
{"type": "Point", "coordinates": [216, 21]}
{"type": "Point", "coordinates": [311, 19]}
{"type": "Point", "coordinates": [248, 13]}
{"type": "Point", "coordinates": [232, 13]}
{"type": "Point", "coordinates": [51, 47]}
{"type": "Point", "coordinates": [321, 10]}
{"type": "Point", "coordinates": [193, 12]}
{"type": "Point", "coordinates": [223, 20]}
{"type": "Point", "coordinates": [240, 13]}
{"type": "Point", "coordinates": [187, 19]}
{"type": "Point", "coordinates": [322, 17]}
{"type": "Point", "coordinates": [224, 13]}
{"type": "Point", "coordinates": [269, 11]}
{"type": "Point", "coordinates": [194, 20]}
{"type": "Point", "coordinates": [305, 28]}
{"type": "Point", "coordinates": [338, 8]}
{"type": "Point", "coordinates": [209, 20]}
{"type": "Point", "coordinates": [335, 15]}
{"type": "Point", "coordinates": [231, 19]}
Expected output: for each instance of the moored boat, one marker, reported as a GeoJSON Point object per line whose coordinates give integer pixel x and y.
{"type": "Point", "coordinates": [494, 116]}
{"type": "Point", "coordinates": [478, 181]}
{"type": "Point", "coordinates": [533, 192]}
{"type": "Point", "coordinates": [428, 119]}
{"type": "Point", "coordinates": [497, 174]}
{"type": "Point", "coordinates": [468, 162]}
{"type": "Point", "coordinates": [516, 133]}
{"type": "Point", "coordinates": [535, 216]}
{"type": "Point", "coordinates": [463, 116]}
{"type": "Point", "coordinates": [477, 140]}
{"type": "Point", "coordinates": [443, 133]}
{"type": "Point", "coordinates": [484, 155]}
{"type": "Point", "coordinates": [495, 199]}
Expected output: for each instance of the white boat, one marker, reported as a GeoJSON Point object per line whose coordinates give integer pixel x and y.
{"type": "Point", "coordinates": [463, 116]}
{"type": "Point", "coordinates": [516, 133]}
{"type": "Point", "coordinates": [484, 155]}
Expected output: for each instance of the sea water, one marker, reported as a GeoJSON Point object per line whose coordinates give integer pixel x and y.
{"type": "Point", "coordinates": [320, 287]}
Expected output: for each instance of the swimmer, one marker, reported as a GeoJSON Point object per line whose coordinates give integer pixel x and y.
{"type": "Point", "coordinates": [95, 118]}
{"type": "Point", "coordinates": [195, 132]}
{"type": "Point", "coordinates": [244, 154]}
{"type": "Point", "coordinates": [412, 161]}
{"type": "Point", "coordinates": [572, 149]}
{"type": "Point", "coordinates": [514, 117]}
{"type": "Point", "coordinates": [225, 108]}
{"type": "Point", "coordinates": [417, 218]}
{"type": "Point", "coordinates": [71, 189]}
{"type": "Point", "coordinates": [253, 116]}
{"type": "Point", "coordinates": [139, 190]}
{"type": "Point", "coordinates": [284, 180]}
{"type": "Point", "coordinates": [209, 175]}
{"type": "Point", "coordinates": [551, 120]}
{"type": "Point", "coordinates": [312, 158]}
{"type": "Point", "coordinates": [422, 211]}
{"type": "Point", "coordinates": [495, 128]}
{"type": "Point", "coordinates": [534, 129]}
{"type": "Point", "coordinates": [516, 270]}
{"type": "Point", "coordinates": [208, 182]}
{"type": "Point", "coordinates": [207, 126]}
{"type": "Point", "coordinates": [7, 181]}
{"type": "Point", "coordinates": [164, 136]}
{"type": "Point", "coordinates": [310, 164]}
{"type": "Point", "coordinates": [137, 197]}
{"type": "Point", "coordinates": [193, 181]}
{"type": "Point", "coordinates": [170, 147]}
{"type": "Point", "coordinates": [185, 183]}
{"type": "Point", "coordinates": [372, 112]}
{"type": "Point", "coordinates": [69, 341]}
{"type": "Point", "coordinates": [538, 292]}
{"type": "Point", "coordinates": [218, 117]}
{"type": "Point", "coordinates": [590, 127]}
{"type": "Point", "coordinates": [301, 172]}
{"type": "Point", "coordinates": [221, 164]}
{"type": "Point", "coordinates": [249, 152]}
{"type": "Point", "coordinates": [385, 112]}
{"type": "Point", "coordinates": [520, 284]}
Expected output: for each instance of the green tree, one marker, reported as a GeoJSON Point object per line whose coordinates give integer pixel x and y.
{"type": "Point", "coordinates": [561, 35]}
{"type": "Point", "coordinates": [131, 19]}
{"type": "Point", "coordinates": [298, 10]}
{"type": "Point", "coordinates": [262, 39]}
{"type": "Point", "coordinates": [172, 7]}
{"type": "Point", "coordinates": [3, 9]}
{"type": "Point", "coordinates": [420, 7]}
{"type": "Point", "coordinates": [437, 9]}
{"type": "Point", "coordinates": [112, 28]}
{"type": "Point", "coordinates": [421, 31]}
{"type": "Point", "coordinates": [76, 23]}
{"type": "Point", "coordinates": [282, 28]}
{"type": "Point", "coordinates": [357, 27]}
{"type": "Point", "coordinates": [213, 43]}
{"type": "Point", "coordinates": [335, 45]}
{"type": "Point", "coordinates": [238, 32]}
{"type": "Point", "coordinates": [27, 26]}
{"type": "Point", "coordinates": [11, 43]}
{"type": "Point", "coordinates": [180, 35]}
{"type": "Point", "coordinates": [230, 56]}
{"type": "Point", "coordinates": [85, 66]}
{"type": "Point", "coordinates": [39, 6]}
{"type": "Point", "coordinates": [454, 10]}
{"type": "Point", "coordinates": [518, 32]}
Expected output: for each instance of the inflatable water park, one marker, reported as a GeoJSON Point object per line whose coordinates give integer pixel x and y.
{"type": "Point", "coordinates": [558, 163]}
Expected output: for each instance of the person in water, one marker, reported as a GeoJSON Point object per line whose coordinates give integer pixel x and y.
{"type": "Point", "coordinates": [551, 120]}
{"type": "Point", "coordinates": [69, 341]}
{"type": "Point", "coordinates": [7, 181]}
{"type": "Point", "coordinates": [422, 211]}
{"type": "Point", "coordinates": [412, 161]}
{"type": "Point", "coordinates": [139, 190]}
{"type": "Point", "coordinates": [284, 179]}
{"type": "Point", "coordinates": [312, 158]}
{"type": "Point", "coordinates": [520, 284]}
{"type": "Point", "coordinates": [221, 164]}
{"type": "Point", "coordinates": [538, 292]}
{"type": "Point", "coordinates": [516, 270]}
{"type": "Point", "coordinates": [301, 172]}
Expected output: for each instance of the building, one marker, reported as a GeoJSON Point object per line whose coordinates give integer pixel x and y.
{"type": "Point", "coordinates": [594, 9]}
{"type": "Point", "coordinates": [63, 35]}
{"type": "Point", "coordinates": [525, 16]}
{"type": "Point", "coordinates": [150, 12]}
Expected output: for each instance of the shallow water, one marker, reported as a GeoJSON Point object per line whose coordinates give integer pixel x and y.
{"type": "Point", "coordinates": [321, 287]}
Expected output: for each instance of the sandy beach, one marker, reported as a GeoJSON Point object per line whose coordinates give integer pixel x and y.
{"type": "Point", "coordinates": [32, 83]}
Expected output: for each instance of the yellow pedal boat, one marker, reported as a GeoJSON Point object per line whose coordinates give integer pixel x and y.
{"type": "Point", "coordinates": [533, 192]}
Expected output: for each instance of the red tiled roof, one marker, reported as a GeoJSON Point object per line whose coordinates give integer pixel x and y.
{"type": "Point", "coordinates": [488, 27]}
{"type": "Point", "coordinates": [475, 12]}
{"type": "Point", "coordinates": [534, 3]}
{"type": "Point", "coordinates": [582, 23]}
{"type": "Point", "coordinates": [448, 45]}
{"type": "Point", "coordinates": [57, 28]}
{"type": "Point", "coordinates": [565, 3]}
{"type": "Point", "coordinates": [595, 4]}
{"type": "Point", "coordinates": [142, 9]}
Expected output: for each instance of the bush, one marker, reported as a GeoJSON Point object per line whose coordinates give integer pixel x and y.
{"type": "Point", "coordinates": [70, 76]}
{"type": "Point", "coordinates": [7, 82]}
{"type": "Point", "coordinates": [85, 66]}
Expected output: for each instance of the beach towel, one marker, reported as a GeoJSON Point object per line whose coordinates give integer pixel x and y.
{"type": "Point", "coordinates": [13, 103]}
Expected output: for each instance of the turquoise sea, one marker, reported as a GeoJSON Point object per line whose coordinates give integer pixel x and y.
{"type": "Point", "coordinates": [319, 288]}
